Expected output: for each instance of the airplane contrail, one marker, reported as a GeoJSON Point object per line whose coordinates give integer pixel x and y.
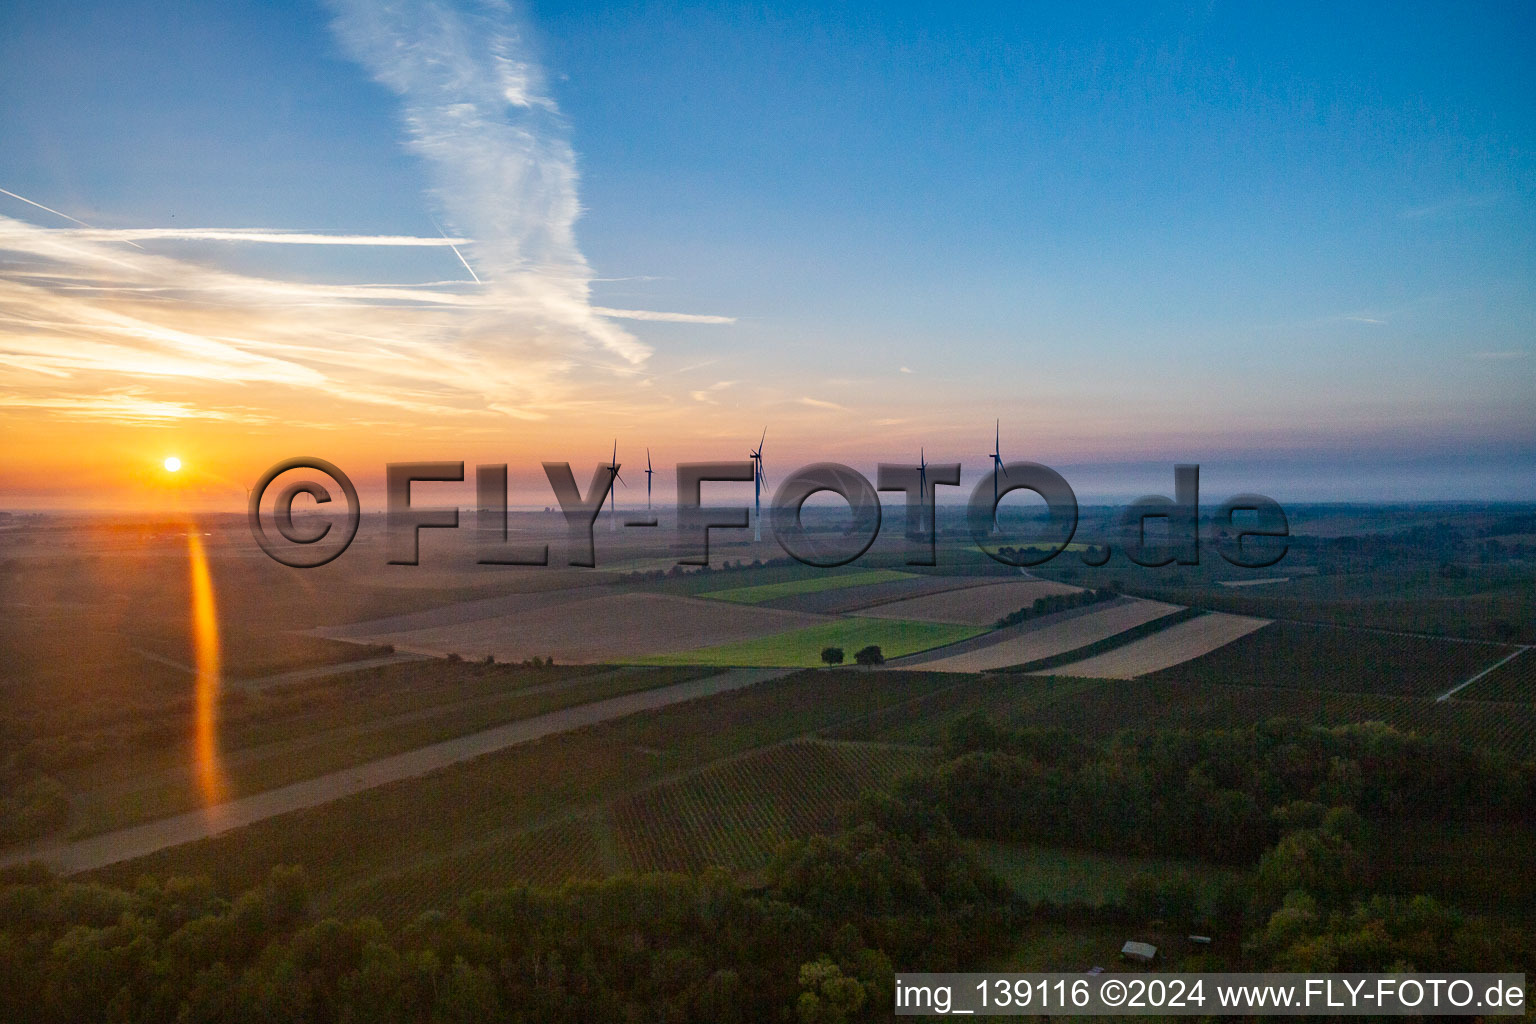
{"type": "Point", "coordinates": [51, 210]}
{"type": "Point", "coordinates": [456, 252]}
{"type": "Point", "coordinates": [40, 206]}
{"type": "Point", "coordinates": [260, 235]}
{"type": "Point", "coordinates": [466, 263]}
{"type": "Point", "coordinates": [674, 318]}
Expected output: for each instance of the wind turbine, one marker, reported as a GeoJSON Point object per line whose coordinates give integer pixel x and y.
{"type": "Point", "coordinates": [613, 509]}
{"type": "Point", "coordinates": [758, 479]}
{"type": "Point", "coordinates": [648, 472]}
{"type": "Point", "coordinates": [922, 487]}
{"type": "Point", "coordinates": [997, 465]}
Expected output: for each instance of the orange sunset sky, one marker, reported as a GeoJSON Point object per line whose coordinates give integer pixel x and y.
{"type": "Point", "coordinates": [1298, 257]}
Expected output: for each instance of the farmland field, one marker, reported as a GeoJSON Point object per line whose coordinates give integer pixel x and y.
{"type": "Point", "coordinates": [579, 847]}
{"type": "Point", "coordinates": [1048, 636]}
{"type": "Point", "coordinates": [1145, 704]}
{"type": "Point", "coordinates": [853, 599]}
{"type": "Point", "coordinates": [974, 606]}
{"type": "Point", "coordinates": [1498, 606]}
{"type": "Point", "coordinates": [1434, 857]}
{"type": "Point", "coordinates": [1046, 874]}
{"type": "Point", "coordinates": [610, 628]}
{"type": "Point", "coordinates": [802, 648]}
{"type": "Point", "coordinates": [372, 836]}
{"type": "Point", "coordinates": [116, 795]}
{"type": "Point", "coordinates": [1311, 657]}
{"type": "Point", "coordinates": [1060, 946]}
{"type": "Point", "coordinates": [1515, 680]}
{"type": "Point", "coordinates": [925, 720]}
{"type": "Point", "coordinates": [1180, 642]}
{"type": "Point", "coordinates": [814, 584]}
{"type": "Point", "coordinates": [1096, 709]}
{"type": "Point", "coordinates": [733, 814]}
{"type": "Point", "coordinates": [481, 609]}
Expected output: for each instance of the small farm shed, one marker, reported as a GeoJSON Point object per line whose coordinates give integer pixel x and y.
{"type": "Point", "coordinates": [1144, 952]}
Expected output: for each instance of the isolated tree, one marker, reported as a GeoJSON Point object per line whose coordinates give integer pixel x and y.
{"type": "Point", "coordinates": [828, 997]}
{"type": "Point", "coordinates": [832, 655]}
{"type": "Point", "coordinates": [870, 655]}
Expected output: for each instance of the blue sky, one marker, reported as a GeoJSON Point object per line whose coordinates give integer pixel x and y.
{"type": "Point", "coordinates": [1295, 242]}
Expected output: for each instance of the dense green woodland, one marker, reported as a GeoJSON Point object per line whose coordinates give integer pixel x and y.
{"type": "Point", "coordinates": [1221, 796]}
{"type": "Point", "coordinates": [817, 937]}
{"type": "Point", "coordinates": [837, 912]}
{"type": "Point", "coordinates": [1300, 804]}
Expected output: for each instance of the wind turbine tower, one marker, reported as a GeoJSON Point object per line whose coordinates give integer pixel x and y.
{"type": "Point", "coordinates": [613, 507]}
{"type": "Point", "coordinates": [648, 473]}
{"type": "Point", "coordinates": [758, 480]}
{"type": "Point", "coordinates": [922, 478]}
{"type": "Point", "coordinates": [997, 467]}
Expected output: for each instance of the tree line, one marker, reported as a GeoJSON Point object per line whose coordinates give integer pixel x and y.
{"type": "Point", "coordinates": [1050, 604]}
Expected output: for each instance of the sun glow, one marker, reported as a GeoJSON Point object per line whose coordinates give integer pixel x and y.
{"type": "Point", "coordinates": [172, 464]}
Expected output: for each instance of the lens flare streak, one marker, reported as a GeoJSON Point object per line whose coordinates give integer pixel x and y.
{"type": "Point", "coordinates": [205, 634]}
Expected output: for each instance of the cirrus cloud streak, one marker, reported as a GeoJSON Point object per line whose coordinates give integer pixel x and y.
{"type": "Point", "coordinates": [111, 323]}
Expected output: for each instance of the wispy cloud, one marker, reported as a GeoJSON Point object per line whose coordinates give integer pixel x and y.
{"type": "Point", "coordinates": [1366, 320]}
{"type": "Point", "coordinates": [1450, 205]}
{"type": "Point", "coordinates": [120, 324]}
{"type": "Point", "coordinates": [128, 406]}
{"type": "Point", "coordinates": [817, 403]}
{"type": "Point", "coordinates": [503, 171]}
{"type": "Point", "coordinates": [707, 395]}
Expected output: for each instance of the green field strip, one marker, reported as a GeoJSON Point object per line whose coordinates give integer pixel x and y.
{"type": "Point", "coordinates": [773, 591]}
{"type": "Point", "coordinates": [1054, 875]}
{"type": "Point", "coordinates": [801, 648]}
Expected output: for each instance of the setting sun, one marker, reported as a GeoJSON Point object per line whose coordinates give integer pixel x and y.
{"type": "Point", "coordinates": [172, 464]}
